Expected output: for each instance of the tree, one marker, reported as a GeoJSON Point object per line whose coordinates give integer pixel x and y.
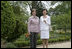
{"type": "Point", "coordinates": [62, 8]}
{"type": "Point", "coordinates": [38, 6]}
{"type": "Point", "coordinates": [7, 19]}
{"type": "Point", "coordinates": [12, 20]}
{"type": "Point", "coordinates": [61, 15]}
{"type": "Point", "coordinates": [62, 21]}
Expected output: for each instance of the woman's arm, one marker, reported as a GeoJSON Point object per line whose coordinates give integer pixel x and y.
{"type": "Point", "coordinates": [29, 25]}
{"type": "Point", "coordinates": [48, 21]}
{"type": "Point", "coordinates": [40, 23]}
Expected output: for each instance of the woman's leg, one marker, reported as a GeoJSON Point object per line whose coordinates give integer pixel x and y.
{"type": "Point", "coordinates": [46, 43]}
{"type": "Point", "coordinates": [31, 40]}
{"type": "Point", "coordinates": [43, 41]}
{"type": "Point", "coordinates": [35, 40]}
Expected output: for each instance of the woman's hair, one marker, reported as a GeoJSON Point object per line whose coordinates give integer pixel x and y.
{"type": "Point", "coordinates": [46, 11]}
{"type": "Point", "coordinates": [32, 11]}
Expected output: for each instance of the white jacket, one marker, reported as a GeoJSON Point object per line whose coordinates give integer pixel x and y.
{"type": "Point", "coordinates": [43, 25]}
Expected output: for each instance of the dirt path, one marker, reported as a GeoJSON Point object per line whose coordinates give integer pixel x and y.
{"type": "Point", "coordinates": [65, 44]}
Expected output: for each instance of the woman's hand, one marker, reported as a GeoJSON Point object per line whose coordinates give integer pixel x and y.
{"type": "Point", "coordinates": [27, 34]}
{"type": "Point", "coordinates": [45, 21]}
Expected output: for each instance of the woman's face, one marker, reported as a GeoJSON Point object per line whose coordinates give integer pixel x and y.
{"type": "Point", "coordinates": [34, 12]}
{"type": "Point", "coordinates": [44, 12]}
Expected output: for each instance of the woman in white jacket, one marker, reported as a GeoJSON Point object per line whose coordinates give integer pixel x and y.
{"type": "Point", "coordinates": [44, 28]}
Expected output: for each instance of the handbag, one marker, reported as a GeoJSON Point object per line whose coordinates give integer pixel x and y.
{"type": "Point", "coordinates": [27, 35]}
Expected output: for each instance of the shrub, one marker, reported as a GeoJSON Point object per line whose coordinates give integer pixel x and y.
{"type": "Point", "coordinates": [39, 41]}
{"type": "Point", "coordinates": [12, 25]}
{"type": "Point", "coordinates": [10, 45]}
{"type": "Point", "coordinates": [7, 20]}
{"type": "Point", "coordinates": [21, 43]}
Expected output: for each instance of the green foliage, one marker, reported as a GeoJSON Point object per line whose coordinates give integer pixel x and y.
{"type": "Point", "coordinates": [61, 9]}
{"type": "Point", "coordinates": [38, 7]}
{"type": "Point", "coordinates": [7, 19]}
{"type": "Point", "coordinates": [62, 21]}
{"type": "Point", "coordinates": [21, 42]}
{"type": "Point", "coordinates": [10, 45]}
{"type": "Point", "coordinates": [12, 21]}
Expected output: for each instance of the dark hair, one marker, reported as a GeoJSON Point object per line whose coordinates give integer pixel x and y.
{"type": "Point", "coordinates": [32, 10]}
{"type": "Point", "coordinates": [46, 10]}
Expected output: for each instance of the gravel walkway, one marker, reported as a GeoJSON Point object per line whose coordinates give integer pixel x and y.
{"type": "Point", "coordinates": [66, 44]}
